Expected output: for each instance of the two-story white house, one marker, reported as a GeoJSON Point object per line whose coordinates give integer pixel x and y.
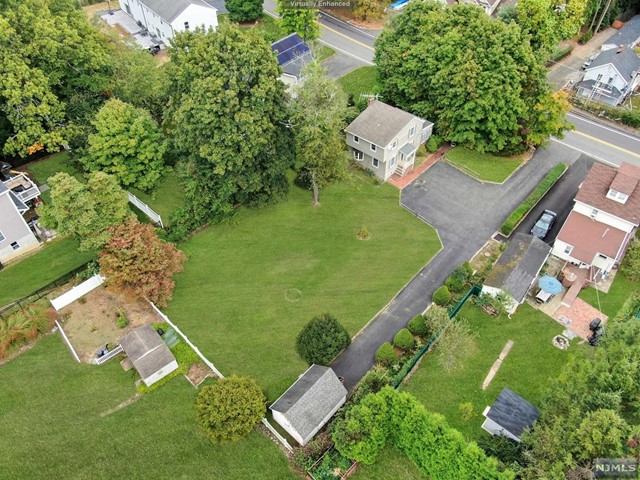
{"type": "Point", "coordinates": [165, 18]}
{"type": "Point", "coordinates": [611, 77]}
{"type": "Point", "coordinates": [384, 139]}
{"type": "Point", "coordinates": [16, 237]}
{"type": "Point", "coordinates": [603, 221]}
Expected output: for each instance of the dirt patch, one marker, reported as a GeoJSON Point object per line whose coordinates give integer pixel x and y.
{"type": "Point", "coordinates": [198, 373]}
{"type": "Point", "coordinates": [91, 321]}
{"type": "Point", "coordinates": [486, 256]}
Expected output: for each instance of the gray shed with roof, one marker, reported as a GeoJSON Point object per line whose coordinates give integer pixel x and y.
{"type": "Point", "coordinates": [150, 356]}
{"type": "Point", "coordinates": [517, 268]}
{"type": "Point", "coordinates": [510, 415]}
{"type": "Point", "coordinates": [309, 403]}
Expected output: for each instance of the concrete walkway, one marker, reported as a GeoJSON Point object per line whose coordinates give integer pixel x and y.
{"type": "Point", "coordinates": [466, 213]}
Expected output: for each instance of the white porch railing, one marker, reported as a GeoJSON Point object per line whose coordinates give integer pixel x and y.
{"type": "Point", "coordinates": [144, 208]}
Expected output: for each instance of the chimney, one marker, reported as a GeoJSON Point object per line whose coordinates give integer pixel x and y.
{"type": "Point", "coordinates": [620, 48]}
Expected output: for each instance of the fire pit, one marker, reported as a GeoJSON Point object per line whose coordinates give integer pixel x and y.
{"type": "Point", "coordinates": [560, 342]}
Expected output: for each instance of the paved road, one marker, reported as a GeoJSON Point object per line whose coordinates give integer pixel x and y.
{"type": "Point", "coordinates": [466, 213]}
{"type": "Point", "coordinates": [559, 199]}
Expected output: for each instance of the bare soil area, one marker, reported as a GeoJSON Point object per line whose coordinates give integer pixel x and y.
{"type": "Point", "coordinates": [91, 322]}
{"type": "Point", "coordinates": [198, 373]}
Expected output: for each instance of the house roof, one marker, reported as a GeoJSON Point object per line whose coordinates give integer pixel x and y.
{"type": "Point", "coordinates": [512, 412]}
{"type": "Point", "coordinates": [380, 123]}
{"type": "Point", "coordinates": [169, 10]}
{"type": "Point", "coordinates": [626, 180]}
{"type": "Point", "coordinates": [3, 188]}
{"type": "Point", "coordinates": [519, 265]}
{"type": "Point", "coordinates": [311, 399]}
{"type": "Point", "coordinates": [608, 90]}
{"type": "Point", "coordinates": [292, 54]}
{"type": "Point", "coordinates": [146, 350]}
{"type": "Point", "coordinates": [626, 61]}
{"type": "Point", "coordinates": [589, 238]}
{"type": "Point", "coordinates": [20, 205]}
{"type": "Point", "coordinates": [594, 189]}
{"type": "Point", "coordinates": [628, 34]}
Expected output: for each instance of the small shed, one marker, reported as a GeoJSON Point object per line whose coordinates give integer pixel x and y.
{"type": "Point", "coordinates": [293, 54]}
{"type": "Point", "coordinates": [150, 356]}
{"type": "Point", "coordinates": [509, 416]}
{"type": "Point", "coordinates": [309, 403]}
{"type": "Point", "coordinates": [517, 269]}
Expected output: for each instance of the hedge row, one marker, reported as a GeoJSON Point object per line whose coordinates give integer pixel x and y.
{"type": "Point", "coordinates": [531, 201]}
{"type": "Point", "coordinates": [622, 115]}
{"type": "Point", "coordinates": [559, 55]}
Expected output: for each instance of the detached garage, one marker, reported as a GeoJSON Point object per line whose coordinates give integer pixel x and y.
{"type": "Point", "coordinates": [150, 356]}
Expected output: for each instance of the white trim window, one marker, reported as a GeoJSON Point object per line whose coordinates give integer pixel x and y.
{"type": "Point", "coordinates": [594, 213]}
{"type": "Point", "coordinates": [358, 155]}
{"type": "Point", "coordinates": [394, 144]}
{"type": "Point", "coordinates": [186, 25]}
{"type": "Point", "coordinates": [373, 147]}
{"type": "Point", "coordinates": [15, 246]}
{"type": "Point", "coordinates": [393, 161]}
{"type": "Point", "coordinates": [356, 139]}
{"type": "Point", "coordinates": [2, 237]}
{"type": "Point", "coordinates": [568, 249]}
{"type": "Point", "coordinates": [375, 162]}
{"type": "Point", "coordinates": [412, 131]}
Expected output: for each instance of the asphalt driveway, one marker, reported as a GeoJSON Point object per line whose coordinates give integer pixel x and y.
{"type": "Point", "coordinates": [559, 199]}
{"type": "Point", "coordinates": [466, 213]}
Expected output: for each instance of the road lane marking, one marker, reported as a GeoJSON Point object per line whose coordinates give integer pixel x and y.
{"type": "Point", "coordinates": [348, 38]}
{"type": "Point", "coordinates": [611, 145]}
{"type": "Point", "coordinates": [604, 127]}
{"type": "Point", "coordinates": [553, 139]}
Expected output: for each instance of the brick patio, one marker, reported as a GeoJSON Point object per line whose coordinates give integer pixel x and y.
{"type": "Point", "coordinates": [577, 317]}
{"type": "Point", "coordinates": [401, 182]}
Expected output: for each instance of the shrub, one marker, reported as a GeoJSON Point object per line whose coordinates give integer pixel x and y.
{"type": "Point", "coordinates": [386, 355]}
{"type": "Point", "coordinates": [585, 37]}
{"type": "Point", "coordinates": [404, 340]}
{"type": "Point", "coordinates": [442, 296]}
{"type": "Point", "coordinates": [122, 321]}
{"type": "Point", "coordinates": [418, 326]}
{"type": "Point", "coordinates": [525, 207]}
{"type": "Point", "coordinates": [230, 408]}
{"type": "Point", "coordinates": [436, 319]}
{"type": "Point", "coordinates": [462, 272]}
{"type": "Point", "coordinates": [433, 143]}
{"type": "Point", "coordinates": [375, 379]}
{"type": "Point", "coordinates": [24, 326]}
{"type": "Point", "coordinates": [321, 340]}
{"type": "Point", "coordinates": [466, 411]}
{"type": "Point", "coordinates": [454, 285]}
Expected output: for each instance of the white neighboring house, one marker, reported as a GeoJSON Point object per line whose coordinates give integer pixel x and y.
{"type": "Point", "coordinates": [165, 18]}
{"type": "Point", "coordinates": [16, 237]}
{"type": "Point", "coordinates": [611, 77]}
{"type": "Point", "coordinates": [309, 403]}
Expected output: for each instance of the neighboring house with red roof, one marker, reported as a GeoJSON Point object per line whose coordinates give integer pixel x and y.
{"type": "Point", "coordinates": [603, 220]}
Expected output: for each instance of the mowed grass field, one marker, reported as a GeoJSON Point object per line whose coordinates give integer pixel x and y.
{"type": "Point", "coordinates": [52, 425]}
{"type": "Point", "coordinates": [251, 285]}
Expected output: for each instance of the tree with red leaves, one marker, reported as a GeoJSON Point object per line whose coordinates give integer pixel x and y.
{"type": "Point", "coordinates": [137, 261]}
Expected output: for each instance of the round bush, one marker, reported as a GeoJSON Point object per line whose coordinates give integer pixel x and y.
{"type": "Point", "coordinates": [418, 326]}
{"type": "Point", "coordinates": [454, 284]}
{"type": "Point", "coordinates": [229, 409]}
{"type": "Point", "coordinates": [321, 340]}
{"type": "Point", "coordinates": [386, 355]}
{"type": "Point", "coordinates": [433, 143]}
{"type": "Point", "coordinates": [442, 296]}
{"type": "Point", "coordinates": [404, 340]}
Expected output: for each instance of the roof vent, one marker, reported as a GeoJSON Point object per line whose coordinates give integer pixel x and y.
{"type": "Point", "coordinates": [620, 48]}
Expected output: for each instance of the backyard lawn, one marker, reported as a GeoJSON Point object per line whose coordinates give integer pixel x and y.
{"type": "Point", "coordinates": [610, 302]}
{"type": "Point", "coordinates": [251, 285]}
{"type": "Point", "coordinates": [362, 80]}
{"type": "Point", "coordinates": [53, 260]}
{"type": "Point", "coordinates": [483, 166]}
{"type": "Point", "coordinates": [391, 464]}
{"type": "Point", "coordinates": [52, 426]}
{"type": "Point", "coordinates": [527, 370]}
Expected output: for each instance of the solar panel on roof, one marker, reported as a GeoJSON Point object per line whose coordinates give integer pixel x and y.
{"type": "Point", "coordinates": [290, 48]}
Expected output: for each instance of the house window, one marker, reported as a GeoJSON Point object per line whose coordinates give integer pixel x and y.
{"type": "Point", "coordinates": [15, 245]}
{"type": "Point", "coordinates": [610, 81]}
{"type": "Point", "coordinates": [375, 162]}
{"type": "Point", "coordinates": [412, 131]}
{"type": "Point", "coordinates": [358, 155]}
{"type": "Point", "coordinates": [373, 147]}
{"type": "Point", "coordinates": [186, 25]}
{"type": "Point", "coordinates": [394, 144]}
{"type": "Point", "coordinates": [2, 237]}
{"type": "Point", "coordinates": [617, 196]}
{"type": "Point", "coordinates": [594, 213]}
{"type": "Point", "coordinates": [356, 139]}
{"type": "Point", "coordinates": [393, 161]}
{"type": "Point", "coordinates": [604, 257]}
{"type": "Point", "coordinates": [568, 249]}
{"type": "Point", "coordinates": [599, 77]}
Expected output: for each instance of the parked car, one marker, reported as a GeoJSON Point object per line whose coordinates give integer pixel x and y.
{"type": "Point", "coordinates": [544, 224]}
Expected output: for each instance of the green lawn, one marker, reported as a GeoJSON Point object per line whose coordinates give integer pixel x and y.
{"type": "Point", "coordinates": [49, 166]}
{"type": "Point", "coordinates": [610, 302]}
{"type": "Point", "coordinates": [483, 166]}
{"type": "Point", "coordinates": [51, 426]}
{"type": "Point", "coordinates": [232, 300]}
{"type": "Point", "coordinates": [362, 80]}
{"type": "Point", "coordinates": [391, 464]}
{"type": "Point", "coordinates": [53, 260]}
{"type": "Point", "coordinates": [166, 198]}
{"type": "Point", "coordinates": [527, 370]}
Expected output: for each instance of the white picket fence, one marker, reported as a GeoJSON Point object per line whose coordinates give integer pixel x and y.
{"type": "Point", "coordinates": [146, 209]}
{"type": "Point", "coordinates": [77, 292]}
{"type": "Point", "coordinates": [265, 422]}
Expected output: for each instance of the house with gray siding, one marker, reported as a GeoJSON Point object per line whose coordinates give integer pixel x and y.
{"type": "Point", "coordinates": [611, 77]}
{"type": "Point", "coordinates": [16, 236]}
{"type": "Point", "coordinates": [384, 139]}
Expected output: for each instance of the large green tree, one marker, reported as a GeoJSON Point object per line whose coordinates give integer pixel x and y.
{"type": "Point", "coordinates": [322, 339]}
{"type": "Point", "coordinates": [86, 211]}
{"type": "Point", "coordinates": [228, 120]}
{"type": "Point", "coordinates": [244, 10]}
{"type": "Point", "coordinates": [128, 144]}
{"type": "Point", "coordinates": [475, 76]}
{"type": "Point", "coordinates": [318, 110]}
{"type": "Point", "coordinates": [49, 55]}
{"type": "Point", "coordinates": [303, 21]}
